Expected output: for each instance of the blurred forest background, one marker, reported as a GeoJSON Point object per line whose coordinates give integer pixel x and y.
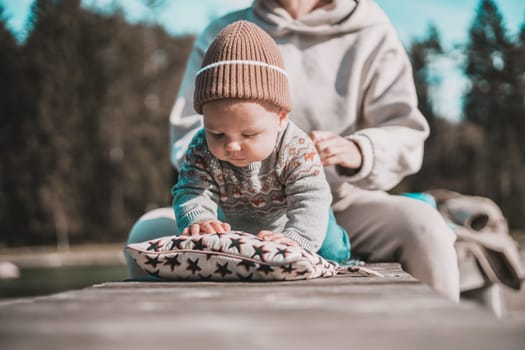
{"type": "Point", "coordinates": [85, 100]}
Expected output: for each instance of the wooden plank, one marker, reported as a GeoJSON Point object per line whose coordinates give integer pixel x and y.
{"type": "Point", "coordinates": [395, 312]}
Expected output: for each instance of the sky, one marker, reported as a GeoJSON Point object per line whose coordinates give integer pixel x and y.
{"type": "Point", "coordinates": [410, 18]}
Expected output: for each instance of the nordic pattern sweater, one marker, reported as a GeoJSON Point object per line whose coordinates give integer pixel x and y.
{"type": "Point", "coordinates": [287, 192]}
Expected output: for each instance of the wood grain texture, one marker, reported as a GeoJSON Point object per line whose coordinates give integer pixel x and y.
{"type": "Point", "coordinates": [394, 312]}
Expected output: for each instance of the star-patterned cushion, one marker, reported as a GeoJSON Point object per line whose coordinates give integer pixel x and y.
{"type": "Point", "coordinates": [231, 256]}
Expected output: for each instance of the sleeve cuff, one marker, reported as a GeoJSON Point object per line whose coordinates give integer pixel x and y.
{"type": "Point", "coordinates": [367, 152]}
{"type": "Point", "coordinates": [301, 240]}
{"type": "Point", "coordinates": [191, 217]}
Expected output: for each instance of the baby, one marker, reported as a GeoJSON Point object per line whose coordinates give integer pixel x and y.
{"type": "Point", "coordinates": [250, 168]}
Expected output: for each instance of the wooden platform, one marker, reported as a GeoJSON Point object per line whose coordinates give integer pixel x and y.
{"type": "Point", "coordinates": [394, 312]}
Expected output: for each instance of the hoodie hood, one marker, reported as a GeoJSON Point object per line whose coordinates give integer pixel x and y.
{"type": "Point", "coordinates": [337, 17]}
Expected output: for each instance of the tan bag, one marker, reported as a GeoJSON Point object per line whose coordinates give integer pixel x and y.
{"type": "Point", "coordinates": [483, 230]}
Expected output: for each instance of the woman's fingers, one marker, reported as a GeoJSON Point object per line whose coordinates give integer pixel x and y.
{"type": "Point", "coordinates": [327, 143]}
{"type": "Point", "coordinates": [332, 145]}
{"type": "Point", "coordinates": [318, 135]}
{"type": "Point", "coordinates": [336, 150]}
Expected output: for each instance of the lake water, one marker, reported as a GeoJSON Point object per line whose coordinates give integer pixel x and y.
{"type": "Point", "coordinates": [43, 281]}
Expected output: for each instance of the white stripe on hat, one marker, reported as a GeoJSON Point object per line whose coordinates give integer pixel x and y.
{"type": "Point", "coordinates": [247, 62]}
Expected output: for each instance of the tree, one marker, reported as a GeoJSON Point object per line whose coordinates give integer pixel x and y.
{"type": "Point", "coordinates": [489, 67]}
{"type": "Point", "coordinates": [421, 53]}
{"type": "Point", "coordinates": [451, 147]}
{"type": "Point", "coordinates": [12, 209]}
{"type": "Point", "coordinates": [63, 123]}
{"type": "Point", "coordinates": [484, 103]}
{"type": "Point", "coordinates": [486, 52]}
{"type": "Point", "coordinates": [515, 107]}
{"type": "Point", "coordinates": [87, 148]}
{"type": "Point", "coordinates": [516, 63]}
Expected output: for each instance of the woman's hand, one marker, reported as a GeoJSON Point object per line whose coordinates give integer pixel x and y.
{"type": "Point", "coordinates": [336, 150]}
{"type": "Point", "coordinates": [275, 237]}
{"type": "Point", "coordinates": [207, 226]}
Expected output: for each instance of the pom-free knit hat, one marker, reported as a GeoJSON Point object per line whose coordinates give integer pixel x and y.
{"type": "Point", "coordinates": [242, 62]}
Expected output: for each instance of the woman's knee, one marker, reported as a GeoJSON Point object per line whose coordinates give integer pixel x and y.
{"type": "Point", "coordinates": [428, 251]}
{"type": "Point", "coordinates": [156, 223]}
{"type": "Point", "coordinates": [419, 225]}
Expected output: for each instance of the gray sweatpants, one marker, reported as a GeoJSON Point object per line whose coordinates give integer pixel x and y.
{"type": "Point", "coordinates": [382, 228]}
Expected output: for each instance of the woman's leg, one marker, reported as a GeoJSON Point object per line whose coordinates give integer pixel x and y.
{"type": "Point", "coordinates": [384, 227]}
{"type": "Point", "coordinates": [156, 223]}
{"type": "Point", "coordinates": [336, 245]}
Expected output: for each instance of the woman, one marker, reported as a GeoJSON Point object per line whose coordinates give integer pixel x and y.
{"type": "Point", "coordinates": [352, 91]}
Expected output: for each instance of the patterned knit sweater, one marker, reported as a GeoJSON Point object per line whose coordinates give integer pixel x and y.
{"type": "Point", "coordinates": [287, 192]}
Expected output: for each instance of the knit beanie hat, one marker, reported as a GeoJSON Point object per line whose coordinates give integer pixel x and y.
{"type": "Point", "coordinates": [242, 62]}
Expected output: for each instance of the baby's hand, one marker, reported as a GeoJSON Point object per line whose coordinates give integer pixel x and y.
{"type": "Point", "coordinates": [207, 226]}
{"type": "Point", "coordinates": [276, 237]}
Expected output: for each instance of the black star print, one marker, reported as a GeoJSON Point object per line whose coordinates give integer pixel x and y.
{"type": "Point", "coordinates": [205, 278]}
{"type": "Point", "coordinates": [329, 265]}
{"type": "Point", "coordinates": [326, 274]}
{"type": "Point", "coordinates": [199, 245]}
{"type": "Point", "coordinates": [259, 251]}
{"type": "Point", "coordinates": [175, 242]}
{"type": "Point", "coordinates": [154, 246]}
{"type": "Point", "coordinates": [219, 234]}
{"type": "Point", "coordinates": [245, 278]}
{"type": "Point", "coordinates": [247, 264]}
{"type": "Point", "coordinates": [282, 252]}
{"type": "Point", "coordinates": [236, 243]}
{"type": "Point", "coordinates": [222, 269]}
{"type": "Point", "coordinates": [287, 268]}
{"type": "Point", "coordinates": [265, 268]}
{"type": "Point", "coordinates": [193, 265]}
{"type": "Point", "coordinates": [172, 261]}
{"type": "Point", "coordinates": [152, 261]}
{"type": "Point", "coordinates": [301, 273]}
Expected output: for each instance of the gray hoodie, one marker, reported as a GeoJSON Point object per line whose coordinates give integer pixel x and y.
{"type": "Point", "coordinates": [348, 73]}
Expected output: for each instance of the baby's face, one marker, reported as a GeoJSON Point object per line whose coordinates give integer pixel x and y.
{"type": "Point", "coordinates": [241, 131]}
